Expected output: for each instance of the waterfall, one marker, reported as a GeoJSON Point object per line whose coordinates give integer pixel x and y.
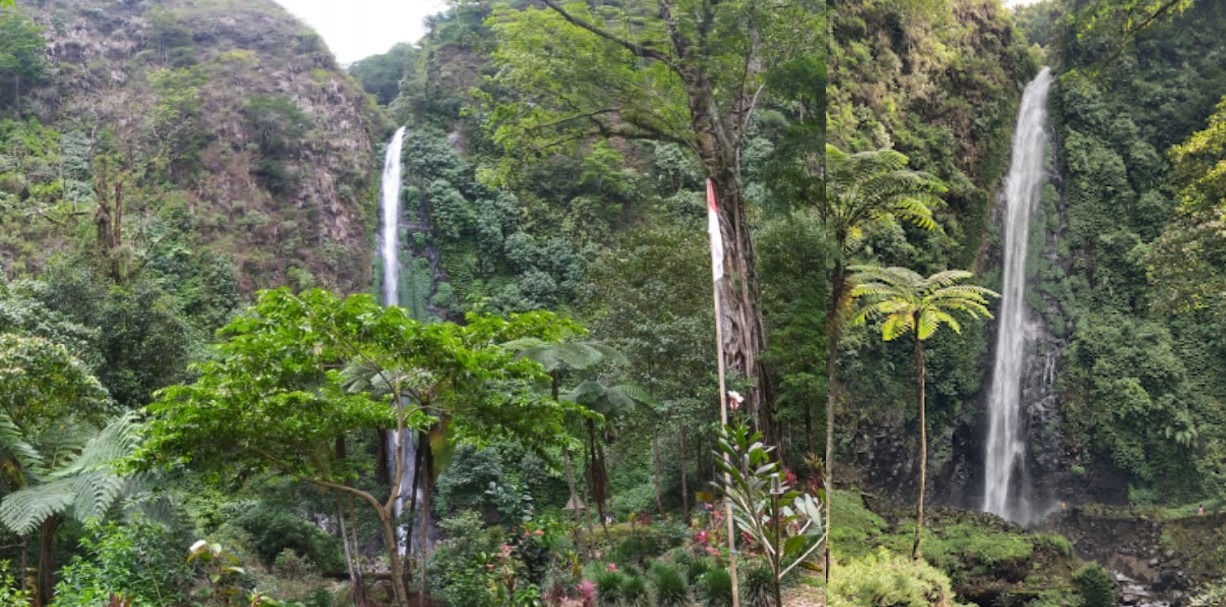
{"type": "Point", "coordinates": [389, 250]}
{"type": "Point", "coordinates": [1004, 494]}
{"type": "Point", "coordinates": [389, 207]}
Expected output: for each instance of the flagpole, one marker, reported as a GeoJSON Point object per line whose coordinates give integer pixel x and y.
{"type": "Point", "coordinates": [717, 274]}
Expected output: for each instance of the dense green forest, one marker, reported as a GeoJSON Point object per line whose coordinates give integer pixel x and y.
{"type": "Point", "coordinates": [207, 397]}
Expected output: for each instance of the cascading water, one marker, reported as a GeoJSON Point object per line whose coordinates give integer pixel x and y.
{"type": "Point", "coordinates": [1006, 445]}
{"type": "Point", "coordinates": [389, 206]}
{"type": "Point", "coordinates": [389, 250]}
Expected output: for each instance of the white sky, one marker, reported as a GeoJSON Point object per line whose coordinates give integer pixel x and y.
{"type": "Point", "coordinates": [355, 29]}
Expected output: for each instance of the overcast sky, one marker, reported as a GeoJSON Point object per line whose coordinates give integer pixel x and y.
{"type": "Point", "coordinates": [355, 29]}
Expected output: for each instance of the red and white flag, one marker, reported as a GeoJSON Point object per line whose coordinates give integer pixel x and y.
{"type": "Point", "coordinates": [717, 239]}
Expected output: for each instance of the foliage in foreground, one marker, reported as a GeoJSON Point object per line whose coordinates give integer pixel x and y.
{"type": "Point", "coordinates": [293, 357]}
{"type": "Point", "coordinates": [886, 579]}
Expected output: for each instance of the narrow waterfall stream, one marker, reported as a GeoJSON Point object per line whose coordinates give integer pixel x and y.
{"type": "Point", "coordinates": [389, 250]}
{"type": "Point", "coordinates": [1004, 491]}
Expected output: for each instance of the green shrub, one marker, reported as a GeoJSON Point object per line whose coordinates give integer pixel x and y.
{"type": "Point", "coordinates": [1095, 586]}
{"type": "Point", "coordinates": [759, 586]}
{"type": "Point", "coordinates": [609, 588]}
{"type": "Point", "coordinates": [634, 591]}
{"type": "Point", "coordinates": [694, 568]}
{"type": "Point", "coordinates": [886, 579]}
{"type": "Point", "coordinates": [1211, 595]}
{"type": "Point", "coordinates": [274, 530]}
{"type": "Point", "coordinates": [456, 565]}
{"type": "Point", "coordinates": [1058, 542]}
{"type": "Point", "coordinates": [671, 589]}
{"type": "Point", "coordinates": [962, 543]}
{"type": "Point", "coordinates": [143, 560]}
{"type": "Point", "coordinates": [636, 548]}
{"type": "Point", "coordinates": [860, 528]}
{"type": "Point", "coordinates": [291, 565]}
{"type": "Point", "coordinates": [1056, 597]}
{"type": "Point", "coordinates": [715, 589]}
{"type": "Point", "coordinates": [11, 594]}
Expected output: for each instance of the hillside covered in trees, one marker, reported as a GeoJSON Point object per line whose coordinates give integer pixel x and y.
{"type": "Point", "coordinates": [440, 327]}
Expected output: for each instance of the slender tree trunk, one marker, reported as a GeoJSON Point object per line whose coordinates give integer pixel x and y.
{"type": "Point", "coordinates": [808, 429]}
{"type": "Point", "coordinates": [393, 553]}
{"type": "Point", "coordinates": [27, 584]}
{"type": "Point", "coordinates": [923, 471]}
{"type": "Point", "coordinates": [685, 486]}
{"type": "Point", "coordinates": [574, 498]}
{"type": "Point", "coordinates": [408, 535]}
{"type": "Point", "coordinates": [46, 560]}
{"type": "Point", "coordinates": [570, 477]}
{"type": "Point", "coordinates": [383, 473]}
{"type": "Point", "coordinates": [355, 578]}
{"type": "Point", "coordinates": [589, 494]}
{"type": "Point", "coordinates": [838, 286]}
{"type": "Point", "coordinates": [598, 474]}
{"type": "Point", "coordinates": [427, 475]}
{"type": "Point", "coordinates": [655, 460]}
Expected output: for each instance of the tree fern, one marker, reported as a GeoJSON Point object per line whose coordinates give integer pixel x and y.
{"type": "Point", "coordinates": [14, 447]}
{"type": "Point", "coordinates": [85, 485]}
{"type": "Point", "coordinates": [863, 190]}
{"type": "Point", "coordinates": [564, 356]}
{"type": "Point", "coordinates": [911, 304]}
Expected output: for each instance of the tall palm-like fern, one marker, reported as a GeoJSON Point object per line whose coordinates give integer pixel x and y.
{"type": "Point", "coordinates": [606, 401]}
{"type": "Point", "coordinates": [908, 303]}
{"type": "Point", "coordinates": [861, 190]}
{"type": "Point", "coordinates": [82, 484]}
{"type": "Point", "coordinates": [73, 475]}
{"type": "Point", "coordinates": [50, 407]}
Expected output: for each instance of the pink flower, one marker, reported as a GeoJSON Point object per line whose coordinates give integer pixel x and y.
{"type": "Point", "coordinates": [611, 568]}
{"type": "Point", "coordinates": [587, 589]}
{"type": "Point", "coordinates": [701, 538]}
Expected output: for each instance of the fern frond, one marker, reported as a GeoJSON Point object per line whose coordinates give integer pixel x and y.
{"type": "Point", "coordinates": [84, 483]}
{"type": "Point", "coordinates": [13, 443]}
{"type": "Point", "coordinates": [23, 511]}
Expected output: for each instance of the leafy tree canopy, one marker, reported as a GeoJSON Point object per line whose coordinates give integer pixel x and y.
{"type": "Point", "coordinates": [274, 398]}
{"type": "Point", "coordinates": [1186, 261]}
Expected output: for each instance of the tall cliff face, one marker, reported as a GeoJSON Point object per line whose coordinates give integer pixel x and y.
{"type": "Point", "coordinates": [224, 119]}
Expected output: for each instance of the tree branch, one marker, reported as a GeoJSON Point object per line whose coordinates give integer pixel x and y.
{"type": "Point", "coordinates": [346, 489]}
{"type": "Point", "coordinates": [680, 44]}
{"type": "Point", "coordinates": [638, 49]}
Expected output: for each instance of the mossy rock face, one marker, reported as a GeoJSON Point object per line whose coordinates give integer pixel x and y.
{"type": "Point", "coordinates": [235, 109]}
{"type": "Point", "coordinates": [1198, 544]}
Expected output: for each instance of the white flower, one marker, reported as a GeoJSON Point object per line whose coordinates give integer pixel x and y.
{"type": "Point", "coordinates": [198, 547]}
{"type": "Point", "coordinates": [735, 399]}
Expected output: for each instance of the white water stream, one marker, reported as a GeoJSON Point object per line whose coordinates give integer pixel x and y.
{"type": "Point", "coordinates": [389, 250]}
{"type": "Point", "coordinates": [1006, 446]}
